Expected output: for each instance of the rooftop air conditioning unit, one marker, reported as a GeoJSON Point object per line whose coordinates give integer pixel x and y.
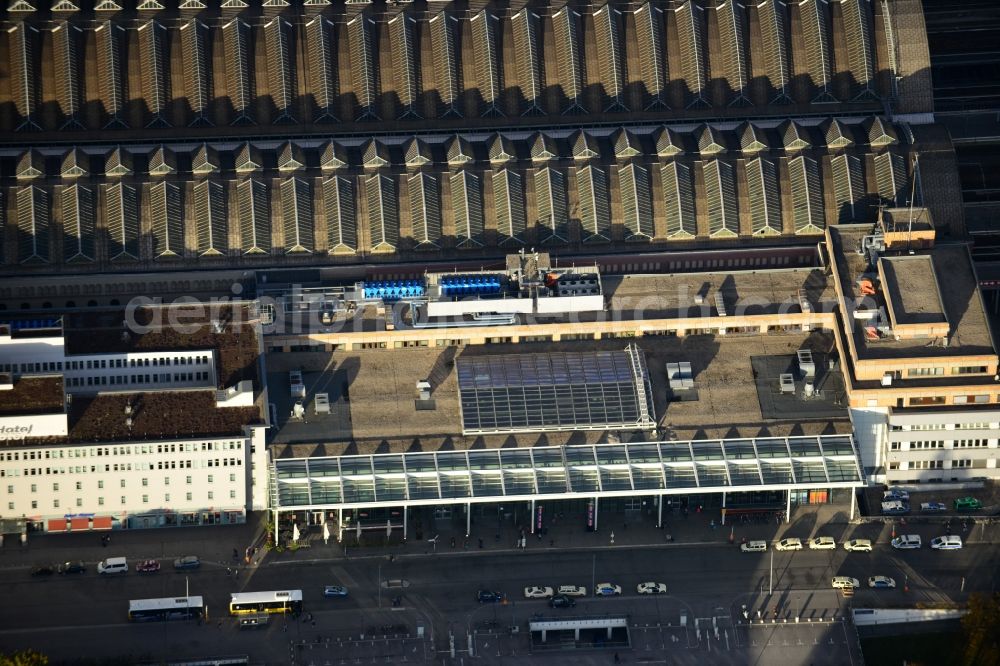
{"type": "Point", "coordinates": [887, 379]}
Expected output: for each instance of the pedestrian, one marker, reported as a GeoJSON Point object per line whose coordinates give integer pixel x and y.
{"type": "Point", "coordinates": [236, 554]}
{"type": "Point", "coordinates": [617, 658]}
{"type": "Point", "coordinates": [229, 571]}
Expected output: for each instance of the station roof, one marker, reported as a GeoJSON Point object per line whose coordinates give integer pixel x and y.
{"type": "Point", "coordinates": [589, 470]}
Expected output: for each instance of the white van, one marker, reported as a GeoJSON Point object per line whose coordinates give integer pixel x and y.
{"type": "Point", "coordinates": [841, 582]}
{"type": "Point", "coordinates": [950, 542]}
{"type": "Point", "coordinates": [112, 565]}
{"type": "Point", "coordinates": [907, 542]}
{"type": "Point", "coordinates": [753, 546]}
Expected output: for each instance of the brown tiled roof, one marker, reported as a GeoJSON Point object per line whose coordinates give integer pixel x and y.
{"type": "Point", "coordinates": [33, 395]}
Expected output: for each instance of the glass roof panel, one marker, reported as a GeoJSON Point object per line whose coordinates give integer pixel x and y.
{"type": "Point", "coordinates": [842, 470]}
{"type": "Point", "coordinates": [611, 455]}
{"type": "Point", "coordinates": [648, 478]}
{"type": "Point", "coordinates": [519, 483]}
{"type": "Point", "coordinates": [452, 460]}
{"type": "Point", "coordinates": [776, 472]}
{"type": "Point", "coordinates": [772, 448]}
{"type": "Point", "coordinates": [484, 459]}
{"type": "Point", "coordinates": [325, 492]}
{"type": "Point", "coordinates": [420, 462]}
{"type": "Point", "coordinates": [391, 488]}
{"type": "Point", "coordinates": [584, 481]}
{"type": "Point", "coordinates": [456, 485]}
{"type": "Point", "coordinates": [744, 474]}
{"type": "Point", "coordinates": [811, 471]}
{"type": "Point", "coordinates": [423, 487]}
{"type": "Point", "coordinates": [805, 446]}
{"type": "Point", "coordinates": [388, 464]}
{"type": "Point", "coordinates": [680, 476]}
{"type": "Point", "coordinates": [356, 466]}
{"type": "Point", "coordinates": [547, 457]}
{"type": "Point", "coordinates": [359, 490]}
{"type": "Point", "coordinates": [580, 455]}
{"type": "Point", "coordinates": [739, 449]}
{"type": "Point", "coordinates": [712, 475]}
{"type": "Point", "coordinates": [644, 453]}
{"type": "Point", "coordinates": [487, 484]}
{"type": "Point", "coordinates": [551, 482]}
{"type": "Point", "coordinates": [324, 467]}
{"type": "Point", "coordinates": [838, 445]}
{"type": "Point", "coordinates": [515, 458]}
{"type": "Point", "coordinates": [707, 450]}
{"type": "Point", "coordinates": [675, 452]}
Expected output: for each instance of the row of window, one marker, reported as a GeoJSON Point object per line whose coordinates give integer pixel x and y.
{"type": "Point", "coordinates": [940, 444]}
{"type": "Point", "coordinates": [125, 467]}
{"type": "Point", "coordinates": [946, 426]}
{"type": "Point", "coordinates": [965, 463]}
{"type": "Point", "coordinates": [100, 483]}
{"type": "Point", "coordinates": [124, 450]}
{"type": "Point", "coordinates": [937, 372]}
{"type": "Point", "coordinates": [929, 401]}
{"type": "Point", "coordinates": [102, 363]}
{"type": "Point", "coordinates": [120, 380]}
{"type": "Point", "coordinates": [11, 506]}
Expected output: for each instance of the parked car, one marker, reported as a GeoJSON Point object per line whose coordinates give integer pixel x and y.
{"type": "Point", "coordinates": [896, 494]}
{"type": "Point", "coordinates": [881, 582]}
{"type": "Point", "coordinates": [753, 546]}
{"type": "Point", "coordinates": [572, 590]}
{"type": "Point", "coordinates": [562, 601]}
{"type": "Point", "coordinates": [907, 542]}
{"type": "Point", "coordinates": [792, 543]}
{"type": "Point", "coordinates": [895, 508]}
{"type": "Point", "coordinates": [949, 542]}
{"type": "Point", "coordinates": [486, 597]}
{"type": "Point", "coordinates": [933, 506]}
{"type": "Point", "coordinates": [858, 545]}
{"type": "Point", "coordinates": [72, 568]}
{"type": "Point", "coordinates": [651, 588]}
{"type": "Point", "coordinates": [340, 591]}
{"type": "Point", "coordinates": [822, 543]}
{"type": "Point", "coordinates": [538, 592]}
{"type": "Point", "coordinates": [187, 562]}
{"type": "Point", "coordinates": [148, 566]}
{"type": "Point", "coordinates": [841, 582]}
{"type": "Point", "coordinates": [43, 570]}
{"type": "Point", "coordinates": [607, 590]}
{"type": "Point", "coordinates": [968, 504]}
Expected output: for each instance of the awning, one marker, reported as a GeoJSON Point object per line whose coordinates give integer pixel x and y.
{"type": "Point", "coordinates": [57, 525]}
{"type": "Point", "coordinates": [102, 522]}
{"type": "Point", "coordinates": [79, 524]}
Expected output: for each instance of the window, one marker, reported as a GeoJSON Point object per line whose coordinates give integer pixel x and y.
{"type": "Point", "coordinates": [232, 478]}
{"type": "Point", "coordinates": [189, 481]}
{"type": "Point", "coordinates": [100, 484]}
{"type": "Point", "coordinates": [893, 466]}
{"type": "Point", "coordinates": [34, 504]}
{"type": "Point", "coordinates": [927, 401]}
{"type": "Point", "coordinates": [972, 426]}
{"type": "Point", "coordinates": [10, 506]}
{"type": "Point", "coordinates": [100, 501]}
{"type": "Point", "coordinates": [928, 444]}
{"type": "Point", "coordinates": [894, 446]}
{"type": "Point", "coordinates": [34, 488]}
{"type": "Point", "coordinates": [145, 482]}
{"type": "Point", "coordinates": [926, 426]}
{"type": "Point", "coordinates": [927, 464]}
{"type": "Point", "coordinates": [55, 503]}
{"type": "Point", "coordinates": [123, 483]}
{"type": "Point", "coordinates": [211, 478]}
{"type": "Point", "coordinates": [10, 490]}
{"type": "Point", "coordinates": [965, 462]}
{"type": "Point", "coordinates": [123, 499]}
{"type": "Point", "coordinates": [924, 372]}
{"type": "Point", "coordinates": [978, 399]}
{"type": "Point", "coordinates": [969, 370]}
{"type": "Point", "coordinates": [79, 502]}
{"type": "Point", "coordinates": [145, 499]}
{"type": "Point", "coordinates": [166, 498]}
{"type": "Point", "coordinates": [189, 497]}
{"type": "Point", "coordinates": [166, 480]}
{"type": "Point", "coordinates": [79, 485]}
{"type": "Point", "coordinates": [211, 495]}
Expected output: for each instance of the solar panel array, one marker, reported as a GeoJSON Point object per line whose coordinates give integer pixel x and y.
{"type": "Point", "coordinates": [538, 392]}
{"type": "Point", "coordinates": [459, 64]}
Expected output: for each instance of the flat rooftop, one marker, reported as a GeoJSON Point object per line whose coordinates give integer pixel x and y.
{"type": "Point", "coordinates": [912, 285]}
{"type": "Point", "coordinates": [236, 347]}
{"type": "Point", "coordinates": [373, 398]}
{"type": "Point", "coordinates": [962, 305]}
{"type": "Point", "coordinates": [156, 415]}
{"type": "Point", "coordinates": [33, 395]}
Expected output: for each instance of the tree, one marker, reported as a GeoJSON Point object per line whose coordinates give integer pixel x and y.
{"type": "Point", "coordinates": [24, 658]}
{"type": "Point", "coordinates": [981, 626]}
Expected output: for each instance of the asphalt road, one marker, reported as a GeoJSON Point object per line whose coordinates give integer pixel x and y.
{"type": "Point", "coordinates": [62, 613]}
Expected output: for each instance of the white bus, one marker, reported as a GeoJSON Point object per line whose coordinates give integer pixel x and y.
{"type": "Point", "coordinates": [174, 608]}
{"type": "Point", "coordinates": [283, 601]}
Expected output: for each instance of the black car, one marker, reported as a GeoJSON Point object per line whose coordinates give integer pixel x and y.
{"type": "Point", "coordinates": [562, 601]}
{"type": "Point", "coordinates": [72, 568]}
{"type": "Point", "coordinates": [488, 597]}
{"type": "Point", "coordinates": [43, 570]}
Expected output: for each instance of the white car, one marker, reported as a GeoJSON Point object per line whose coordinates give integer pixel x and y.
{"type": "Point", "coordinates": [881, 581]}
{"type": "Point", "coordinates": [858, 545]}
{"type": "Point", "coordinates": [822, 543]}
{"type": "Point", "coordinates": [537, 592]}
{"type": "Point", "coordinates": [572, 590]}
{"type": "Point", "coordinates": [607, 590]}
{"type": "Point", "coordinates": [789, 544]}
{"type": "Point", "coordinates": [651, 588]}
{"type": "Point", "coordinates": [843, 582]}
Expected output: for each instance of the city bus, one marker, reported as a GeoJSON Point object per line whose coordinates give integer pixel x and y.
{"type": "Point", "coordinates": [174, 608]}
{"type": "Point", "coordinates": [249, 603]}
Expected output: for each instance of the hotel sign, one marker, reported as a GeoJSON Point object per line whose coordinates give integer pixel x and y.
{"type": "Point", "coordinates": [41, 425]}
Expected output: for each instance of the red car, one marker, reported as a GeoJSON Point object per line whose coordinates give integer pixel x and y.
{"type": "Point", "coordinates": [148, 566]}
